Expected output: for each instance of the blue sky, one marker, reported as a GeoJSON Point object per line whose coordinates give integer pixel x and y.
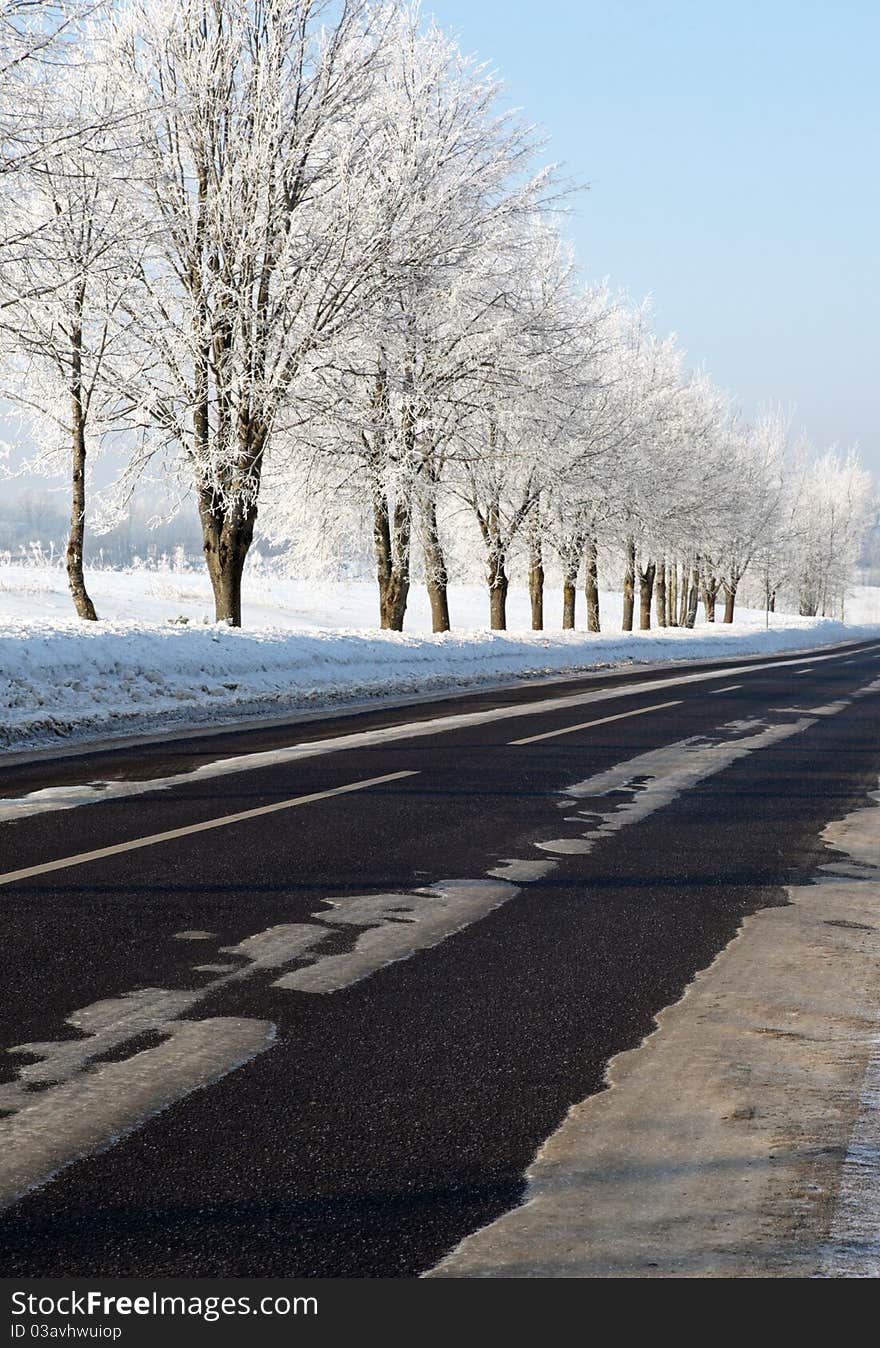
{"type": "Point", "coordinates": [732, 152]}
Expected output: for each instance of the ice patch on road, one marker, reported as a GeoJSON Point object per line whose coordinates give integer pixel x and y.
{"type": "Point", "coordinates": [853, 1250]}
{"type": "Point", "coordinates": [104, 1026]}
{"type": "Point", "coordinates": [397, 926]}
{"type": "Point", "coordinates": [277, 946]}
{"type": "Point", "coordinates": [633, 790]}
{"type": "Point", "coordinates": [521, 871]}
{"type": "Point", "coordinates": [99, 1107]}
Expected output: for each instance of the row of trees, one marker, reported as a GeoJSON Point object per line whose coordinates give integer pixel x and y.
{"type": "Point", "coordinates": [290, 257]}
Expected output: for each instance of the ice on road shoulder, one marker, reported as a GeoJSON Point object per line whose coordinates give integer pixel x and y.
{"type": "Point", "coordinates": [305, 647]}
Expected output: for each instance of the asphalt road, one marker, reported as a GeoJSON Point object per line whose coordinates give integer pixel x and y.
{"type": "Point", "coordinates": [393, 1110]}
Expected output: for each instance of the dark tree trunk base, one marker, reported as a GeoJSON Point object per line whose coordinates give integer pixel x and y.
{"type": "Point", "coordinates": [629, 586]}
{"type": "Point", "coordinates": [536, 586]}
{"type": "Point", "coordinates": [661, 595]}
{"type": "Point", "coordinates": [439, 599]}
{"type": "Point", "coordinates": [569, 601]}
{"type": "Point", "coordinates": [81, 601]}
{"type": "Point", "coordinates": [498, 585]}
{"type": "Point", "coordinates": [646, 591]}
{"type": "Point", "coordinates": [591, 588]}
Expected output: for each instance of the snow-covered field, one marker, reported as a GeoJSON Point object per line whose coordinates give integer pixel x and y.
{"type": "Point", "coordinates": [142, 667]}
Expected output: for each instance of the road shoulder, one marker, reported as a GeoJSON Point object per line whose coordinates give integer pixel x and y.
{"type": "Point", "coordinates": [736, 1140]}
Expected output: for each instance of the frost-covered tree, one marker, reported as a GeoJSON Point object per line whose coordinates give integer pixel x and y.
{"type": "Point", "coordinates": [584, 449]}
{"type": "Point", "coordinates": [444, 173]}
{"type": "Point", "coordinates": [754, 461]}
{"type": "Point", "coordinates": [835, 502]}
{"type": "Point", "coordinates": [254, 117]}
{"type": "Point", "coordinates": [40, 40]}
{"type": "Point", "coordinates": [776, 564]}
{"type": "Point", "coordinates": [703, 431]}
{"type": "Point", "coordinates": [650, 489]}
{"type": "Point", "coordinates": [32, 34]}
{"type": "Point", "coordinates": [63, 283]}
{"type": "Point", "coordinates": [525, 396]}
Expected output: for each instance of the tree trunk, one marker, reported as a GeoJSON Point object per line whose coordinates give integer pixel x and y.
{"type": "Point", "coordinates": [662, 616]}
{"type": "Point", "coordinates": [439, 597]}
{"type": "Point", "coordinates": [672, 595]}
{"type": "Point", "coordinates": [693, 598]}
{"type": "Point", "coordinates": [436, 578]}
{"type": "Point", "coordinates": [683, 596]}
{"type": "Point", "coordinates": [536, 582]}
{"type": "Point", "coordinates": [392, 603]}
{"type": "Point", "coordinates": [498, 584]}
{"type": "Point", "coordinates": [227, 535]}
{"type": "Point", "coordinates": [74, 557]}
{"type": "Point", "coordinates": [710, 597]}
{"type": "Point", "coordinates": [227, 520]}
{"type": "Point", "coordinates": [629, 585]}
{"type": "Point", "coordinates": [392, 560]}
{"type": "Point", "coordinates": [772, 604]}
{"type": "Point", "coordinates": [729, 602]}
{"type": "Point", "coordinates": [496, 559]}
{"type": "Point", "coordinates": [570, 556]}
{"type": "Point", "coordinates": [646, 590]}
{"type": "Point", "coordinates": [591, 587]}
{"type": "Point", "coordinates": [569, 599]}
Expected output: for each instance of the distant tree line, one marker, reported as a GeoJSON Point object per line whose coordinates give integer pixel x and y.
{"type": "Point", "coordinates": [34, 524]}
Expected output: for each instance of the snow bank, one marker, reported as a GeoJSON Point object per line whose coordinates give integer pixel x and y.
{"type": "Point", "coordinates": [60, 678]}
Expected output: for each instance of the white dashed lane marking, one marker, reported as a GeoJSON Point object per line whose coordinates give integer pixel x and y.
{"type": "Point", "coordinates": [11, 877]}
{"type": "Point", "coordinates": [604, 720]}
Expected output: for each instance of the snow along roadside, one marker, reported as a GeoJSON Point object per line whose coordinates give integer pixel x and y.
{"type": "Point", "coordinates": [740, 1138]}
{"type": "Point", "coordinates": [97, 680]}
{"type": "Point", "coordinates": [48, 799]}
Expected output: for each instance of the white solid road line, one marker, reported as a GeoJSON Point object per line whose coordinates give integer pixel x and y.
{"type": "Point", "coordinates": [151, 839]}
{"type": "Point", "coordinates": [604, 720]}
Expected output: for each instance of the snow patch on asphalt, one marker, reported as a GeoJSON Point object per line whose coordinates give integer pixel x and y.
{"type": "Point", "coordinates": [633, 790]}
{"type": "Point", "coordinates": [397, 926]}
{"type": "Point", "coordinates": [98, 1107]}
{"type": "Point", "coordinates": [853, 1250]}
